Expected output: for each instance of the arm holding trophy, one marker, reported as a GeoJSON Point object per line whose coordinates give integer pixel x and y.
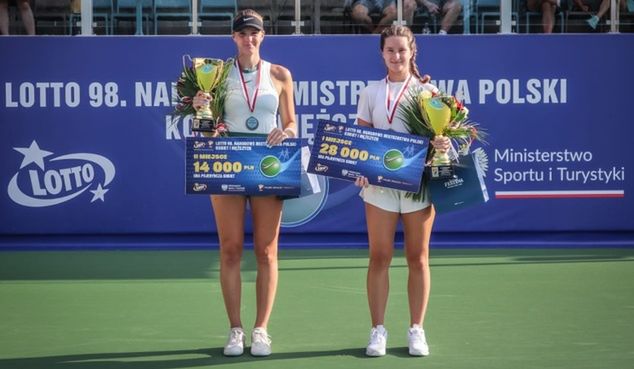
{"type": "Point", "coordinates": [201, 91]}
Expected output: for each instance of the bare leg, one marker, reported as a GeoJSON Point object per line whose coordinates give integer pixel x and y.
{"type": "Point", "coordinates": [452, 10]}
{"type": "Point", "coordinates": [229, 213]}
{"type": "Point", "coordinates": [409, 7]}
{"type": "Point", "coordinates": [548, 15]}
{"type": "Point", "coordinates": [603, 8]}
{"type": "Point", "coordinates": [27, 16]}
{"type": "Point", "coordinates": [267, 216]}
{"type": "Point", "coordinates": [389, 16]}
{"type": "Point", "coordinates": [4, 17]}
{"type": "Point", "coordinates": [381, 228]}
{"type": "Point", "coordinates": [360, 14]}
{"type": "Point", "coordinates": [417, 229]}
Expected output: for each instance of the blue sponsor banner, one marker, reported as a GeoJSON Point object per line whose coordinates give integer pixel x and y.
{"type": "Point", "coordinates": [386, 158]}
{"type": "Point", "coordinates": [242, 166]}
{"type": "Point", "coordinates": [89, 144]}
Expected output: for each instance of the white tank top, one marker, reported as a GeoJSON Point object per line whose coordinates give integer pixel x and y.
{"type": "Point", "coordinates": [372, 106]}
{"type": "Point", "coordinates": [237, 115]}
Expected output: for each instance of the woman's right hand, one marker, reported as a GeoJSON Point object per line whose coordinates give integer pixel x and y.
{"type": "Point", "coordinates": [441, 143]}
{"type": "Point", "coordinates": [201, 99]}
{"type": "Point", "coordinates": [361, 181]}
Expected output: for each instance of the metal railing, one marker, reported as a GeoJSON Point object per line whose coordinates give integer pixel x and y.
{"type": "Point", "coordinates": [505, 21]}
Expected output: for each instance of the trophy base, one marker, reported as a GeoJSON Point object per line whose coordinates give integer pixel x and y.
{"type": "Point", "coordinates": [441, 172]}
{"type": "Point", "coordinates": [203, 125]}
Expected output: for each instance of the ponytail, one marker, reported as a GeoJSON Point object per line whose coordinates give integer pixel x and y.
{"type": "Point", "coordinates": [425, 78]}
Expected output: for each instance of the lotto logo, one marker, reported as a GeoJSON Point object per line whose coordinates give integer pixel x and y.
{"type": "Point", "coordinates": [46, 180]}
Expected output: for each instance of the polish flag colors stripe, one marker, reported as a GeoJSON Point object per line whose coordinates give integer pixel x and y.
{"type": "Point", "coordinates": [558, 194]}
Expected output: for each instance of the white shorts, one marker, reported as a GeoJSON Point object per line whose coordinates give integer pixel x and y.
{"type": "Point", "coordinates": [393, 200]}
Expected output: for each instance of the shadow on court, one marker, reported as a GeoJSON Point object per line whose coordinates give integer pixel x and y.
{"type": "Point", "coordinates": [177, 359]}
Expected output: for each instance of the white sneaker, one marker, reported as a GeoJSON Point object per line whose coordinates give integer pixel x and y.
{"type": "Point", "coordinates": [378, 340]}
{"type": "Point", "coordinates": [593, 21]}
{"type": "Point", "coordinates": [417, 342]}
{"type": "Point", "coordinates": [235, 343]}
{"type": "Point", "coordinates": [260, 342]}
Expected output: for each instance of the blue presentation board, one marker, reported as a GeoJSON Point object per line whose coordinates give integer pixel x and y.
{"type": "Point", "coordinates": [242, 166]}
{"type": "Point", "coordinates": [386, 158]}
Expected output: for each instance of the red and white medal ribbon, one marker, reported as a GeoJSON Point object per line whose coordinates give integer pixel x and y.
{"type": "Point", "coordinates": [391, 110]}
{"type": "Point", "coordinates": [245, 90]}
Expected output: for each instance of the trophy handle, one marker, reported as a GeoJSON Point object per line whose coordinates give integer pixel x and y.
{"type": "Point", "coordinates": [219, 75]}
{"type": "Point", "coordinates": [190, 60]}
{"type": "Point", "coordinates": [226, 69]}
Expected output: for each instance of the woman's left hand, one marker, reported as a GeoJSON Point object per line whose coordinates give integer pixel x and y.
{"type": "Point", "coordinates": [361, 181]}
{"type": "Point", "coordinates": [276, 136]}
{"type": "Point", "coordinates": [441, 143]}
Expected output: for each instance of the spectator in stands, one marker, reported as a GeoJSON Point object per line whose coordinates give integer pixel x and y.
{"type": "Point", "coordinates": [25, 13]}
{"type": "Point", "coordinates": [548, 8]}
{"type": "Point", "coordinates": [362, 10]}
{"type": "Point", "coordinates": [385, 207]}
{"type": "Point", "coordinates": [449, 9]}
{"type": "Point", "coordinates": [256, 91]}
{"type": "Point", "coordinates": [592, 5]}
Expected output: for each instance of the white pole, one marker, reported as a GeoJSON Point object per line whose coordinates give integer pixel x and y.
{"type": "Point", "coordinates": [466, 16]}
{"type": "Point", "coordinates": [614, 17]}
{"type": "Point", "coordinates": [505, 17]}
{"type": "Point", "coordinates": [298, 16]}
{"type": "Point", "coordinates": [399, 13]}
{"type": "Point", "coordinates": [86, 18]}
{"type": "Point", "coordinates": [194, 17]}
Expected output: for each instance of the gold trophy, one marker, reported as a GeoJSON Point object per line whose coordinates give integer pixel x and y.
{"type": "Point", "coordinates": [439, 115]}
{"type": "Point", "coordinates": [209, 74]}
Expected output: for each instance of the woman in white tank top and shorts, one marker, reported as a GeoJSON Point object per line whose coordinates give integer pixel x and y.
{"type": "Point", "coordinates": [256, 91]}
{"type": "Point", "coordinates": [384, 207]}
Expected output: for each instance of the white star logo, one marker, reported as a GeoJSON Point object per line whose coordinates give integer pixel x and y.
{"type": "Point", "coordinates": [33, 154]}
{"type": "Point", "coordinates": [99, 193]}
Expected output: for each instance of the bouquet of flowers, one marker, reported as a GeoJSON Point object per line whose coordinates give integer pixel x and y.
{"type": "Point", "coordinates": [208, 75]}
{"type": "Point", "coordinates": [430, 114]}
